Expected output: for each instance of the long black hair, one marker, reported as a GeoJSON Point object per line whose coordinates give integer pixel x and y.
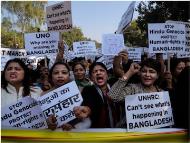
{"type": "Point", "coordinates": [25, 82]}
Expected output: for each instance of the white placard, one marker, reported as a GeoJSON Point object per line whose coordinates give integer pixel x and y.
{"type": "Point", "coordinates": [112, 44]}
{"type": "Point", "coordinates": [71, 55]}
{"type": "Point", "coordinates": [60, 102]}
{"type": "Point", "coordinates": [26, 113]}
{"type": "Point", "coordinates": [59, 17]}
{"type": "Point", "coordinates": [126, 18]}
{"type": "Point", "coordinates": [41, 43]}
{"type": "Point", "coordinates": [153, 55]}
{"type": "Point", "coordinates": [107, 61]}
{"type": "Point", "coordinates": [166, 37]}
{"type": "Point", "coordinates": [84, 48]}
{"type": "Point", "coordinates": [185, 54]}
{"type": "Point", "coordinates": [187, 31]}
{"type": "Point", "coordinates": [10, 53]}
{"type": "Point", "coordinates": [148, 110]}
{"type": "Point", "coordinates": [135, 53]}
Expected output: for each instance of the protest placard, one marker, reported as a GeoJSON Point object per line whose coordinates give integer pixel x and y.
{"type": "Point", "coordinates": [112, 44]}
{"type": "Point", "coordinates": [41, 43]}
{"type": "Point", "coordinates": [84, 48]}
{"type": "Point", "coordinates": [60, 102]}
{"type": "Point", "coordinates": [166, 37]}
{"type": "Point", "coordinates": [185, 54]}
{"type": "Point", "coordinates": [148, 110]}
{"type": "Point", "coordinates": [153, 55]}
{"type": "Point", "coordinates": [26, 113]}
{"type": "Point", "coordinates": [11, 53]}
{"type": "Point", "coordinates": [135, 53]}
{"type": "Point", "coordinates": [107, 61]}
{"type": "Point", "coordinates": [59, 17]}
{"type": "Point", "coordinates": [187, 31]}
{"type": "Point", "coordinates": [126, 18]}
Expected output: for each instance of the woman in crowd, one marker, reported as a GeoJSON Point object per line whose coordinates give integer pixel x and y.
{"type": "Point", "coordinates": [149, 74]}
{"type": "Point", "coordinates": [79, 74]}
{"type": "Point", "coordinates": [15, 83]}
{"type": "Point", "coordinates": [169, 78]}
{"type": "Point", "coordinates": [103, 110]}
{"type": "Point", "coordinates": [177, 65]}
{"type": "Point", "coordinates": [59, 76]}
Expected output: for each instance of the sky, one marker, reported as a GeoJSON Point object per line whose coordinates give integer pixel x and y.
{"type": "Point", "coordinates": [96, 18]}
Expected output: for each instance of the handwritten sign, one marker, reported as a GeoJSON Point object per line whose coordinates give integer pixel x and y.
{"type": "Point", "coordinates": [148, 110]}
{"type": "Point", "coordinates": [41, 43]}
{"type": "Point", "coordinates": [26, 113]}
{"type": "Point", "coordinates": [84, 48]}
{"type": "Point", "coordinates": [166, 37]}
{"type": "Point", "coordinates": [59, 17]}
{"type": "Point", "coordinates": [112, 44]}
{"type": "Point", "coordinates": [60, 102]}
{"type": "Point", "coordinates": [134, 53]}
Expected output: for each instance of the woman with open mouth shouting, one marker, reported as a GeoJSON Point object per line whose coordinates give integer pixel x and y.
{"type": "Point", "coordinates": [103, 110]}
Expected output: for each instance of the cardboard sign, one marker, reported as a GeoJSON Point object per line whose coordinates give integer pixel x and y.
{"type": "Point", "coordinates": [26, 113]}
{"type": "Point", "coordinates": [60, 102]}
{"type": "Point", "coordinates": [166, 37]}
{"type": "Point", "coordinates": [148, 110]}
{"type": "Point", "coordinates": [112, 44]}
{"type": "Point", "coordinates": [126, 18]}
{"type": "Point", "coordinates": [59, 17]}
{"type": "Point", "coordinates": [41, 43]}
{"type": "Point", "coordinates": [84, 48]}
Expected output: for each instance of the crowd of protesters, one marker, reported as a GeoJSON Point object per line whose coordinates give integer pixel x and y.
{"type": "Point", "coordinates": [103, 90]}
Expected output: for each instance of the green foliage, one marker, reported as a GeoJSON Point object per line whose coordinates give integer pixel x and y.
{"type": "Point", "coordinates": [161, 11]}
{"type": "Point", "coordinates": [9, 39]}
{"type": "Point", "coordinates": [6, 24]}
{"type": "Point", "coordinates": [27, 12]}
{"type": "Point", "coordinates": [26, 15]}
{"type": "Point", "coordinates": [133, 36]}
{"type": "Point", "coordinates": [72, 36]}
{"type": "Point", "coordinates": [75, 35]}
